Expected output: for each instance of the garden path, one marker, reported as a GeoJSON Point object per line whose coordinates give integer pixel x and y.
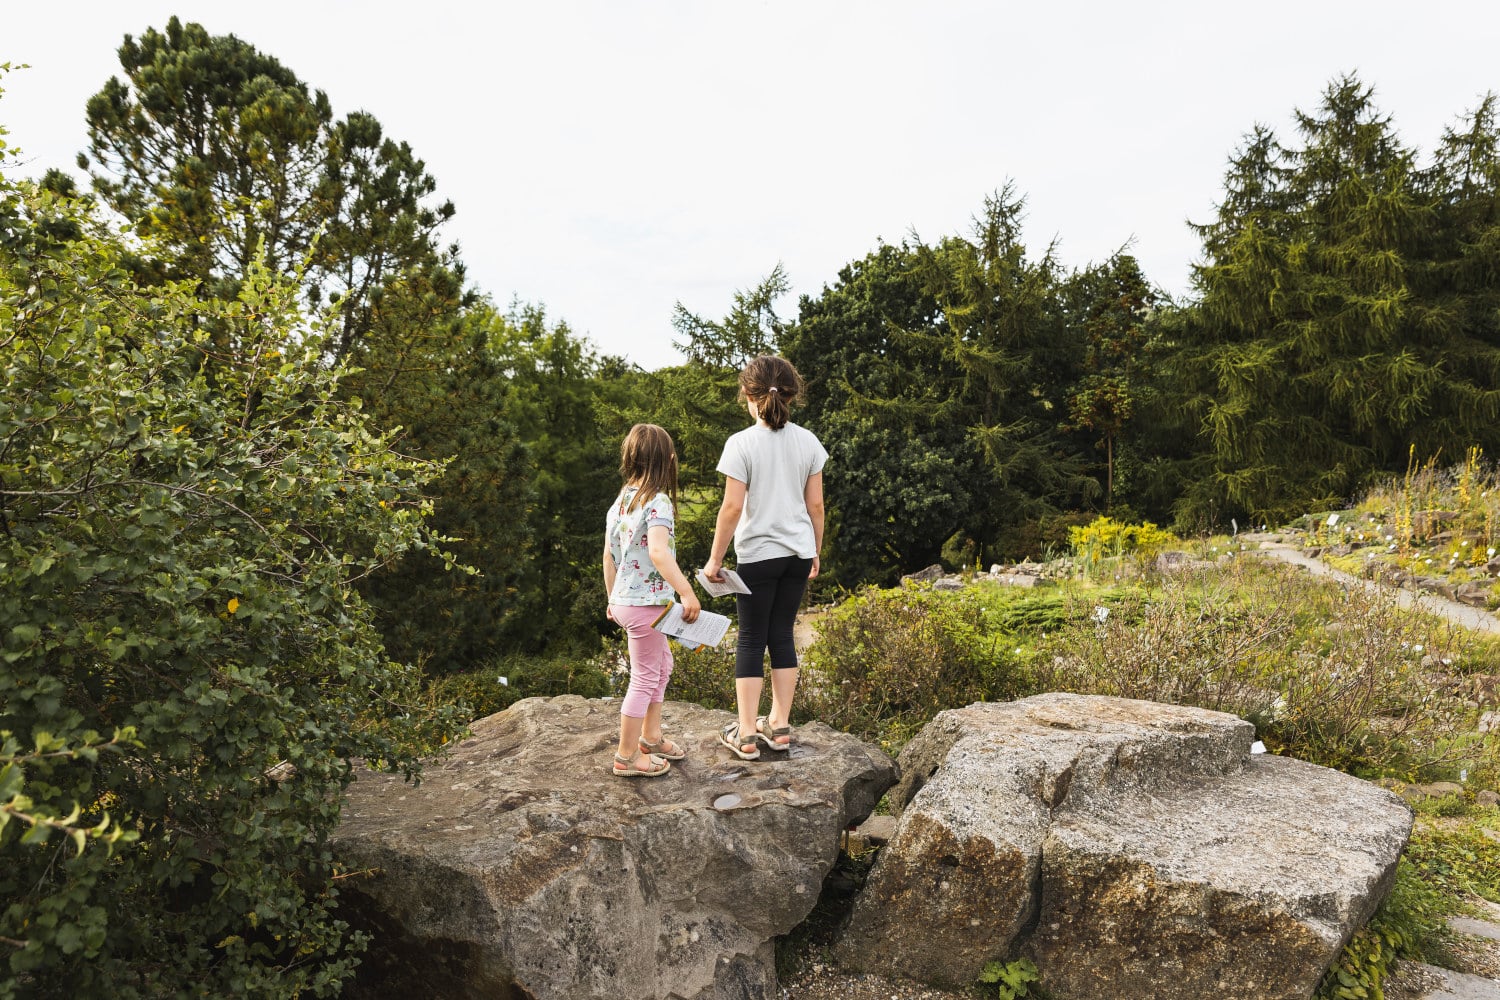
{"type": "Point", "coordinates": [1271, 544]}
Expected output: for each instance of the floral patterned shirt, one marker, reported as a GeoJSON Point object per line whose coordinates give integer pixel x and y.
{"type": "Point", "coordinates": [636, 580]}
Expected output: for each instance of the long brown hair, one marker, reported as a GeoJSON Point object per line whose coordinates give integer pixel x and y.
{"type": "Point", "coordinates": [648, 461]}
{"type": "Point", "coordinates": [771, 383]}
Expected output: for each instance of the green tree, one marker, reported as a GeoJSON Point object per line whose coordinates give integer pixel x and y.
{"type": "Point", "coordinates": [559, 394]}
{"type": "Point", "coordinates": [426, 372]}
{"type": "Point", "coordinates": [1111, 304]}
{"type": "Point", "coordinates": [1320, 371]}
{"type": "Point", "coordinates": [939, 377]}
{"type": "Point", "coordinates": [223, 157]}
{"type": "Point", "coordinates": [177, 568]}
{"type": "Point", "coordinates": [1455, 311]}
{"type": "Point", "coordinates": [898, 480]}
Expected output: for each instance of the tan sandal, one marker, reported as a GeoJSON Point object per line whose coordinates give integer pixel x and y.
{"type": "Point", "coordinates": [731, 738]}
{"type": "Point", "coordinates": [656, 749]}
{"type": "Point", "coordinates": [624, 767]}
{"type": "Point", "coordinates": [769, 735]}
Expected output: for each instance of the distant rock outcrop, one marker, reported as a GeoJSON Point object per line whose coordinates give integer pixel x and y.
{"type": "Point", "coordinates": [521, 868]}
{"type": "Point", "coordinates": [1130, 849]}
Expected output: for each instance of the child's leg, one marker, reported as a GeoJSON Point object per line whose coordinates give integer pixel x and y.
{"type": "Point", "coordinates": [651, 731]}
{"type": "Point", "coordinates": [646, 646]}
{"type": "Point", "coordinates": [763, 578]}
{"type": "Point", "coordinates": [779, 637]}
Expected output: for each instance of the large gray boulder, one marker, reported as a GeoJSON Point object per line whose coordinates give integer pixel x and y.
{"type": "Point", "coordinates": [1128, 848]}
{"type": "Point", "coordinates": [520, 867]}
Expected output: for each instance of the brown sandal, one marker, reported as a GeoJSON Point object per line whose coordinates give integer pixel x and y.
{"type": "Point", "coordinates": [655, 749]}
{"type": "Point", "coordinates": [731, 738]}
{"type": "Point", "coordinates": [769, 735]}
{"type": "Point", "coordinates": [629, 770]}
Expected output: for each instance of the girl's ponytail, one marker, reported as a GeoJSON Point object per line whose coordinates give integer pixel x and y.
{"type": "Point", "coordinates": [771, 383]}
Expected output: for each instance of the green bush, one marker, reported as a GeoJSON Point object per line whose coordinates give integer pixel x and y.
{"type": "Point", "coordinates": [887, 661]}
{"type": "Point", "coordinates": [503, 682]}
{"type": "Point", "coordinates": [1330, 674]}
{"type": "Point", "coordinates": [184, 507]}
{"type": "Point", "coordinates": [1104, 537]}
{"type": "Point", "coordinates": [703, 676]}
{"type": "Point", "coordinates": [1188, 642]}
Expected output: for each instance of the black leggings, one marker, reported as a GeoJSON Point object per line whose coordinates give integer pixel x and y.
{"type": "Point", "coordinates": [767, 613]}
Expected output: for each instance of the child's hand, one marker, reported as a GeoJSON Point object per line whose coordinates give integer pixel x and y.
{"type": "Point", "coordinates": [690, 608]}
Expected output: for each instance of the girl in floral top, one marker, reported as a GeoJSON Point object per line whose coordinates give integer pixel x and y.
{"type": "Point", "coordinates": [640, 575]}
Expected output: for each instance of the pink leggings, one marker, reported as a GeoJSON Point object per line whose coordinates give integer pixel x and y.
{"type": "Point", "coordinates": [650, 658]}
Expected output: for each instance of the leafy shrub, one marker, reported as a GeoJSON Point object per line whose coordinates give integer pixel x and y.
{"type": "Point", "coordinates": [1032, 613]}
{"type": "Point", "coordinates": [503, 682]}
{"type": "Point", "coordinates": [887, 661]}
{"type": "Point", "coordinates": [185, 506]}
{"type": "Point", "coordinates": [1187, 643]}
{"type": "Point", "coordinates": [1104, 537]}
{"type": "Point", "coordinates": [703, 676]}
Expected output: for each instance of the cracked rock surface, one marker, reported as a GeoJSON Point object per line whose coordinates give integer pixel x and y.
{"type": "Point", "coordinates": [1128, 848]}
{"type": "Point", "coordinates": [522, 868]}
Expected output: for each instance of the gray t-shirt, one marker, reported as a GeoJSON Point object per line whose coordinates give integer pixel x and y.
{"type": "Point", "coordinates": [775, 466]}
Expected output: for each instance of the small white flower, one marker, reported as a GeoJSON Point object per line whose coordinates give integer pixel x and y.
{"type": "Point", "coordinates": [1491, 551]}
{"type": "Point", "coordinates": [1417, 648]}
{"type": "Point", "coordinates": [1463, 543]}
{"type": "Point", "coordinates": [1447, 661]}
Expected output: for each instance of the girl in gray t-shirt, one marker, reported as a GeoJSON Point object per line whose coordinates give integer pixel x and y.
{"type": "Point", "coordinates": [773, 506]}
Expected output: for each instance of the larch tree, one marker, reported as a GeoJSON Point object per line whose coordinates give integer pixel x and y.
{"type": "Point", "coordinates": [1318, 373]}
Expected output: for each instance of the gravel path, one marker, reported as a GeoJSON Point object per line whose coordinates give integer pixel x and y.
{"type": "Point", "coordinates": [1460, 614]}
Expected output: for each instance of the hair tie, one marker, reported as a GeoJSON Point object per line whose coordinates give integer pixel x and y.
{"type": "Point", "coordinates": [775, 390]}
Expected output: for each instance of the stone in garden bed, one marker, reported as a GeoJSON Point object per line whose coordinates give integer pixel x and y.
{"type": "Point", "coordinates": [1475, 594]}
{"type": "Point", "coordinates": [1427, 522]}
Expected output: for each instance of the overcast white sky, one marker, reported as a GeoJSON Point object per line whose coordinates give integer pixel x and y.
{"type": "Point", "coordinates": [611, 158]}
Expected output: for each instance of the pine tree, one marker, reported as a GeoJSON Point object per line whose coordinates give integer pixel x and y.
{"type": "Point", "coordinates": [220, 154]}
{"type": "Point", "coordinates": [1111, 308]}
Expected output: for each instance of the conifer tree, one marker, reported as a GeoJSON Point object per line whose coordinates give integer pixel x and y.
{"type": "Point", "coordinates": [1321, 365]}
{"type": "Point", "coordinates": [1110, 309]}
{"type": "Point", "coordinates": [939, 376]}
{"type": "Point", "coordinates": [220, 153]}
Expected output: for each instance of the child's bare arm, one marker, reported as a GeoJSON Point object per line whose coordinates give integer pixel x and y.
{"type": "Point", "coordinates": [609, 574]}
{"type": "Point", "coordinates": [659, 545]}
